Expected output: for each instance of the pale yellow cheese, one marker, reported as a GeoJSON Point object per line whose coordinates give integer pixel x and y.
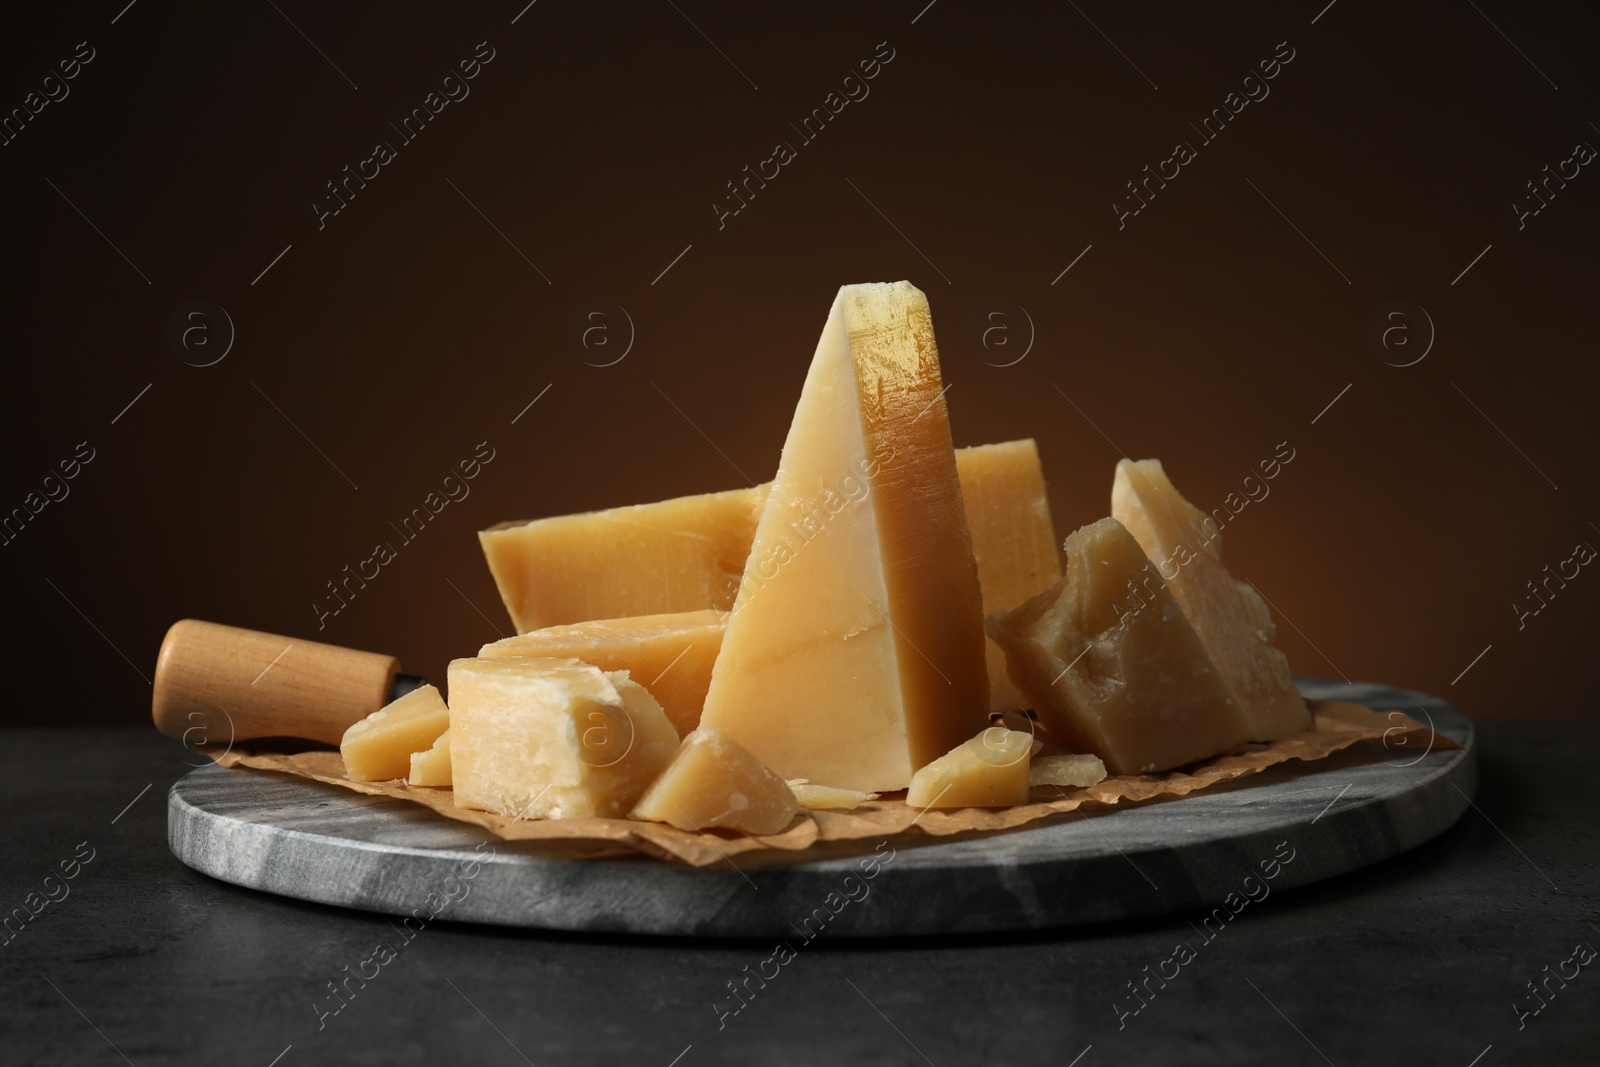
{"type": "Point", "coordinates": [687, 554]}
{"type": "Point", "coordinates": [670, 655]}
{"type": "Point", "coordinates": [855, 650]}
{"type": "Point", "coordinates": [713, 781]}
{"type": "Point", "coordinates": [826, 797]}
{"type": "Point", "coordinates": [1013, 540]}
{"type": "Point", "coordinates": [431, 766]}
{"type": "Point", "coordinates": [1230, 617]}
{"type": "Point", "coordinates": [380, 746]}
{"type": "Point", "coordinates": [1111, 664]}
{"type": "Point", "coordinates": [552, 738]}
{"type": "Point", "coordinates": [986, 771]}
{"type": "Point", "coordinates": [1074, 770]}
{"type": "Point", "coordinates": [678, 555]}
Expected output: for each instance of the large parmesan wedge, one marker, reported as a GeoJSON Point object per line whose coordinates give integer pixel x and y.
{"type": "Point", "coordinates": [855, 650]}
{"type": "Point", "coordinates": [1112, 665]}
{"type": "Point", "coordinates": [1230, 617]}
{"type": "Point", "coordinates": [687, 554]}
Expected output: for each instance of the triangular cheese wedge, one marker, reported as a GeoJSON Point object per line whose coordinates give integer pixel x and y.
{"type": "Point", "coordinates": [1233, 623]}
{"type": "Point", "coordinates": [855, 651]}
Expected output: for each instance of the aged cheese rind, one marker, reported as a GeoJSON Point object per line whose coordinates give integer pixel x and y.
{"type": "Point", "coordinates": [670, 655]}
{"type": "Point", "coordinates": [552, 738]}
{"type": "Point", "coordinates": [1013, 540]}
{"type": "Point", "coordinates": [684, 554]}
{"type": "Point", "coordinates": [986, 771]}
{"type": "Point", "coordinates": [713, 781]}
{"type": "Point", "coordinates": [855, 650]}
{"type": "Point", "coordinates": [379, 747]}
{"type": "Point", "coordinates": [1230, 617]}
{"type": "Point", "coordinates": [431, 766]}
{"type": "Point", "coordinates": [1111, 664]}
{"type": "Point", "coordinates": [687, 554]}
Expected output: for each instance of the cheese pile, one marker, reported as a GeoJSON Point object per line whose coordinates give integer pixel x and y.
{"type": "Point", "coordinates": [874, 619]}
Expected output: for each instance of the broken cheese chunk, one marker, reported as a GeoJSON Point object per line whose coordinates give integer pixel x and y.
{"type": "Point", "coordinates": [670, 655]}
{"type": "Point", "coordinates": [714, 781]}
{"type": "Point", "coordinates": [552, 738]}
{"type": "Point", "coordinates": [1112, 665]}
{"type": "Point", "coordinates": [687, 554]}
{"type": "Point", "coordinates": [986, 771]}
{"type": "Point", "coordinates": [826, 797]}
{"type": "Point", "coordinates": [677, 555]}
{"type": "Point", "coordinates": [380, 746]}
{"type": "Point", "coordinates": [1076, 770]}
{"type": "Point", "coordinates": [855, 651]}
{"type": "Point", "coordinates": [1013, 540]}
{"type": "Point", "coordinates": [1230, 617]}
{"type": "Point", "coordinates": [431, 766]}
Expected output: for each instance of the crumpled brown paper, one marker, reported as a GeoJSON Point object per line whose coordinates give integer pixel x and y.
{"type": "Point", "coordinates": [1337, 726]}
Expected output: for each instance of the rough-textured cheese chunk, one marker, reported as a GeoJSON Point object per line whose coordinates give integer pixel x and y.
{"type": "Point", "coordinates": [552, 738]}
{"type": "Point", "coordinates": [713, 781]}
{"type": "Point", "coordinates": [1111, 664]}
{"type": "Point", "coordinates": [986, 771]}
{"type": "Point", "coordinates": [431, 766]}
{"type": "Point", "coordinates": [1229, 615]}
{"type": "Point", "coordinates": [1076, 770]}
{"type": "Point", "coordinates": [580, 567]}
{"type": "Point", "coordinates": [380, 746]}
{"type": "Point", "coordinates": [855, 650]}
{"type": "Point", "coordinates": [677, 555]}
{"type": "Point", "coordinates": [1013, 540]}
{"type": "Point", "coordinates": [827, 797]}
{"type": "Point", "coordinates": [670, 655]}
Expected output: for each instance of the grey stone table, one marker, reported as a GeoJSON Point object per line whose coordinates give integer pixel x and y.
{"type": "Point", "coordinates": [1421, 959]}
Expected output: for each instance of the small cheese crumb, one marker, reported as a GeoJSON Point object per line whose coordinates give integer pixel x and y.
{"type": "Point", "coordinates": [714, 781]}
{"type": "Point", "coordinates": [989, 771]}
{"type": "Point", "coordinates": [431, 767]}
{"type": "Point", "coordinates": [380, 746]}
{"type": "Point", "coordinates": [827, 797]}
{"type": "Point", "coordinates": [1074, 771]}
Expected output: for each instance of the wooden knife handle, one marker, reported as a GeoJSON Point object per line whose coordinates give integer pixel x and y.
{"type": "Point", "coordinates": [218, 683]}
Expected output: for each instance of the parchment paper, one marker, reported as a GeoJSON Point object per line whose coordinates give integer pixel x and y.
{"type": "Point", "coordinates": [1337, 726]}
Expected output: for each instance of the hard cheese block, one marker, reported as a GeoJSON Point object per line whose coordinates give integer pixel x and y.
{"type": "Point", "coordinates": [986, 771]}
{"type": "Point", "coordinates": [854, 653]}
{"type": "Point", "coordinates": [1013, 540]}
{"type": "Point", "coordinates": [713, 781]}
{"type": "Point", "coordinates": [1111, 664]}
{"type": "Point", "coordinates": [380, 746]}
{"type": "Point", "coordinates": [553, 738]}
{"type": "Point", "coordinates": [674, 556]}
{"type": "Point", "coordinates": [1230, 617]}
{"type": "Point", "coordinates": [670, 655]}
{"type": "Point", "coordinates": [431, 766]}
{"type": "Point", "coordinates": [677, 555]}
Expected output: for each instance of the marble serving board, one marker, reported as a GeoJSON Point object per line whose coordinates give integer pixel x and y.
{"type": "Point", "coordinates": [311, 841]}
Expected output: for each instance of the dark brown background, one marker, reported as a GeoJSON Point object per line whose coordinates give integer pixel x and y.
{"type": "Point", "coordinates": [409, 330]}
